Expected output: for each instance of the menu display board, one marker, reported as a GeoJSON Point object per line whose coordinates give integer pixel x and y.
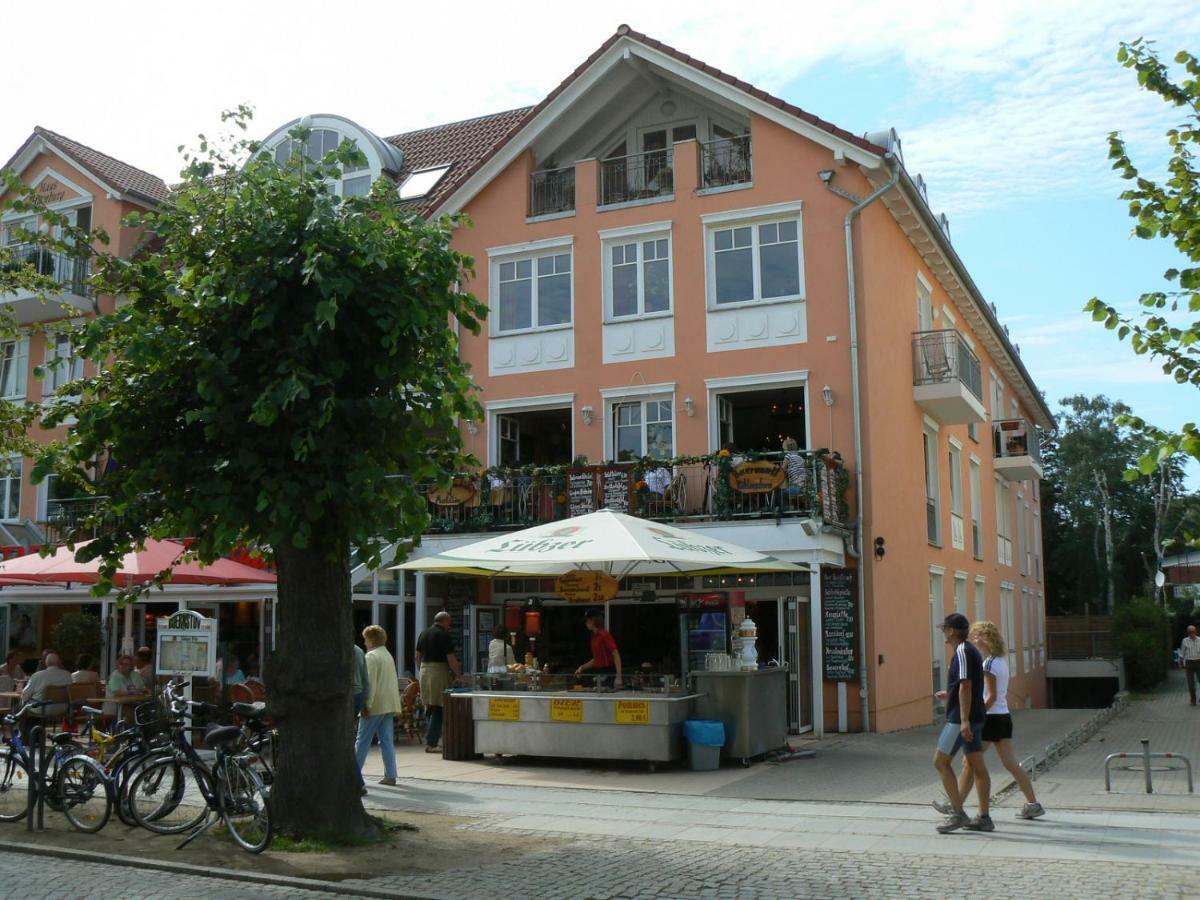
{"type": "Point", "coordinates": [839, 623]}
{"type": "Point", "coordinates": [581, 493]}
{"type": "Point", "coordinates": [616, 489]}
{"type": "Point", "coordinates": [632, 712]}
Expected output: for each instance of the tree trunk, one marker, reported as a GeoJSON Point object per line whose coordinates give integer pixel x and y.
{"type": "Point", "coordinates": [1162, 506]}
{"type": "Point", "coordinates": [309, 679]}
{"type": "Point", "coordinates": [1106, 520]}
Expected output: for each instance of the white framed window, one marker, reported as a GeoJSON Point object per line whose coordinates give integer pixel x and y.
{"type": "Point", "coordinates": [976, 512]}
{"type": "Point", "coordinates": [924, 304]}
{"type": "Point", "coordinates": [980, 598]}
{"type": "Point", "coordinates": [1040, 620]}
{"type": "Point", "coordinates": [1021, 550]}
{"type": "Point", "coordinates": [532, 291]}
{"type": "Point", "coordinates": [937, 615]}
{"type": "Point", "coordinates": [1004, 514]}
{"type": "Point", "coordinates": [1037, 543]}
{"type": "Point", "coordinates": [757, 259]}
{"type": "Point", "coordinates": [997, 398]}
{"type": "Point", "coordinates": [957, 537]}
{"type": "Point", "coordinates": [638, 276]}
{"type": "Point", "coordinates": [63, 366]}
{"type": "Point", "coordinates": [1027, 627]}
{"type": "Point", "coordinates": [1008, 623]}
{"type": "Point", "coordinates": [643, 428]}
{"type": "Point", "coordinates": [14, 368]}
{"type": "Point", "coordinates": [11, 478]}
{"type": "Point", "coordinates": [960, 592]}
{"type": "Point", "coordinates": [933, 511]}
{"type": "Point", "coordinates": [356, 180]}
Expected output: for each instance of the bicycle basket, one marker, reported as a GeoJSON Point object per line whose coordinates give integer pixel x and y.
{"type": "Point", "coordinates": [151, 719]}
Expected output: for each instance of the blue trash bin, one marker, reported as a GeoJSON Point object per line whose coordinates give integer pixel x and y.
{"type": "Point", "coordinates": [705, 739]}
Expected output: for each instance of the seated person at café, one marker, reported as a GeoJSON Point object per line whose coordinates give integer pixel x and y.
{"type": "Point", "coordinates": [12, 667]}
{"type": "Point", "coordinates": [123, 682]}
{"type": "Point", "coordinates": [232, 671]}
{"type": "Point", "coordinates": [144, 667]}
{"type": "Point", "coordinates": [54, 675]}
{"type": "Point", "coordinates": [85, 670]}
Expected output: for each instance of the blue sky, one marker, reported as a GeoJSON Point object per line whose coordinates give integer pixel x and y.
{"type": "Point", "coordinates": [1003, 107]}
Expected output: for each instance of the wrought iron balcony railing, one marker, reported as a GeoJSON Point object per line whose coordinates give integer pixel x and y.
{"type": "Point", "coordinates": [725, 161]}
{"type": "Point", "coordinates": [552, 191]}
{"type": "Point", "coordinates": [943, 356]}
{"type": "Point", "coordinates": [69, 272]}
{"type": "Point", "coordinates": [641, 176]}
{"type": "Point", "coordinates": [76, 518]}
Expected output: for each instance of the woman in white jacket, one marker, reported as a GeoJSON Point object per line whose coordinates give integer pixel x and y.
{"type": "Point", "coordinates": [500, 652]}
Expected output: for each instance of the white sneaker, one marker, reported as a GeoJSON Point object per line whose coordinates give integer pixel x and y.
{"type": "Point", "coordinates": [943, 806]}
{"type": "Point", "coordinates": [1031, 811]}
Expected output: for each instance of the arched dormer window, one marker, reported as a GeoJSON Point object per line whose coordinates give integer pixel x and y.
{"type": "Point", "coordinates": [327, 133]}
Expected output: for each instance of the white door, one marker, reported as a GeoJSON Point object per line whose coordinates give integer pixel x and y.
{"type": "Point", "coordinates": [938, 646]}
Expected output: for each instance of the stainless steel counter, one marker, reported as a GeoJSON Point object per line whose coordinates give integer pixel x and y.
{"type": "Point", "coordinates": [752, 705]}
{"type": "Point", "coordinates": [581, 724]}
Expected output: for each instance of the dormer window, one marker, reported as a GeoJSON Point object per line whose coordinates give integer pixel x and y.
{"type": "Point", "coordinates": [326, 135]}
{"type": "Point", "coordinates": [356, 180]}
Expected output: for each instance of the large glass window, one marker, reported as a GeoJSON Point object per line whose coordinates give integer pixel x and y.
{"type": "Point", "coordinates": [643, 428]}
{"type": "Point", "coordinates": [534, 292]}
{"type": "Point", "coordinates": [933, 514]}
{"type": "Point", "coordinates": [640, 277]}
{"type": "Point", "coordinates": [322, 141]}
{"type": "Point", "coordinates": [756, 262]}
{"type": "Point", "coordinates": [14, 365]}
{"type": "Point", "coordinates": [10, 488]}
{"type": "Point", "coordinates": [62, 365]}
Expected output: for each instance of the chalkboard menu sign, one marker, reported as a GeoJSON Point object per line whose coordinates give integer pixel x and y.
{"type": "Point", "coordinates": [616, 489]}
{"type": "Point", "coordinates": [581, 492]}
{"type": "Point", "coordinates": [839, 624]}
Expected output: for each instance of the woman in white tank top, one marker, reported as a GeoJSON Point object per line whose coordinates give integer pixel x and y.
{"type": "Point", "coordinates": [997, 730]}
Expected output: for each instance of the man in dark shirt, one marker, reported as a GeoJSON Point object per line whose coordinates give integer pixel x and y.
{"type": "Point", "coordinates": [438, 667]}
{"type": "Point", "coordinates": [606, 658]}
{"type": "Point", "coordinates": [965, 715]}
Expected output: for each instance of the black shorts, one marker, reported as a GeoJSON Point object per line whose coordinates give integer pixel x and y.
{"type": "Point", "coordinates": [998, 728]}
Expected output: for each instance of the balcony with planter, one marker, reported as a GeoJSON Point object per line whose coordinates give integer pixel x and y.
{"type": "Point", "coordinates": [71, 275]}
{"type": "Point", "coordinates": [947, 378]}
{"type": "Point", "coordinates": [1016, 451]}
{"type": "Point", "coordinates": [638, 177]}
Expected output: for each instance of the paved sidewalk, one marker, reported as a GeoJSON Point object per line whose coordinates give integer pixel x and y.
{"type": "Point", "coordinates": [1169, 723]}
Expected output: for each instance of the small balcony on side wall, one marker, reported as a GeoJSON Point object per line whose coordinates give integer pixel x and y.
{"type": "Point", "coordinates": [1016, 451]}
{"type": "Point", "coordinates": [947, 378]}
{"type": "Point", "coordinates": [552, 192]}
{"type": "Point", "coordinates": [73, 296]}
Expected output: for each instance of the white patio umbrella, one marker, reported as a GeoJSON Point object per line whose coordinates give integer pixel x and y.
{"type": "Point", "coordinates": [605, 541]}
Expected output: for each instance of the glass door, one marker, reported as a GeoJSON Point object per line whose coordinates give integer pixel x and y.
{"type": "Point", "coordinates": [795, 636]}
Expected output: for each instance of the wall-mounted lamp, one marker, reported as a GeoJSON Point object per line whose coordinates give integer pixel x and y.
{"type": "Point", "coordinates": [880, 548]}
{"type": "Point", "coordinates": [586, 412]}
{"type": "Point", "coordinates": [826, 175]}
{"type": "Point", "coordinates": [827, 394]}
{"type": "Point", "coordinates": [472, 427]}
{"type": "Point", "coordinates": [689, 406]}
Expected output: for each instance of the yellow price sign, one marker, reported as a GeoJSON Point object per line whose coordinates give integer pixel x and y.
{"type": "Point", "coordinates": [633, 712]}
{"type": "Point", "coordinates": [566, 710]}
{"type": "Point", "coordinates": [504, 709]}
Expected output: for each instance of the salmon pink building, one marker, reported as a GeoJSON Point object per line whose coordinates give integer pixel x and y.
{"type": "Point", "coordinates": [687, 278]}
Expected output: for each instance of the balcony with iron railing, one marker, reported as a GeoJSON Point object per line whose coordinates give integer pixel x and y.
{"type": "Point", "coordinates": [639, 176]}
{"type": "Point", "coordinates": [552, 191]}
{"type": "Point", "coordinates": [76, 519]}
{"type": "Point", "coordinates": [1016, 449]}
{"type": "Point", "coordinates": [947, 377]}
{"type": "Point", "coordinates": [811, 486]}
{"type": "Point", "coordinates": [70, 273]}
{"type": "Point", "coordinates": [725, 162]}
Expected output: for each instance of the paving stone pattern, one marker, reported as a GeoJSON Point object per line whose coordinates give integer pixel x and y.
{"type": "Point", "coordinates": [44, 878]}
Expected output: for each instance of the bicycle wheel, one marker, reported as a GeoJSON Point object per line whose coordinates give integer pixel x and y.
{"type": "Point", "coordinates": [122, 776]}
{"type": "Point", "coordinates": [14, 786]}
{"type": "Point", "coordinates": [245, 806]}
{"type": "Point", "coordinates": [164, 797]}
{"type": "Point", "coordinates": [82, 790]}
{"type": "Point", "coordinates": [262, 757]}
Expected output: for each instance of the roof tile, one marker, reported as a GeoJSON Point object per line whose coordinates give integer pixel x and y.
{"type": "Point", "coordinates": [122, 176]}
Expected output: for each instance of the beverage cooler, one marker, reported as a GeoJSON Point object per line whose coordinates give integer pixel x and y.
{"type": "Point", "coordinates": [706, 625]}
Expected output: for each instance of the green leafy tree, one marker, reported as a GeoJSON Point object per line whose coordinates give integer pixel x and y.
{"type": "Point", "coordinates": [1169, 209]}
{"type": "Point", "coordinates": [283, 373]}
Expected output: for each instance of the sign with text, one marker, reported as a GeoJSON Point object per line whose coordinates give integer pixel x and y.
{"type": "Point", "coordinates": [585, 586]}
{"type": "Point", "coordinates": [581, 492]}
{"type": "Point", "coordinates": [186, 644]}
{"type": "Point", "coordinates": [633, 712]}
{"type": "Point", "coordinates": [757, 477]}
{"type": "Point", "coordinates": [839, 623]}
{"type": "Point", "coordinates": [504, 709]}
{"type": "Point", "coordinates": [566, 710]}
{"type": "Point", "coordinates": [616, 489]}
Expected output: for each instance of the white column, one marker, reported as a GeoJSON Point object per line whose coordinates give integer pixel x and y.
{"type": "Point", "coordinates": [419, 617]}
{"type": "Point", "coordinates": [401, 618]}
{"type": "Point", "coordinates": [106, 658]}
{"type": "Point", "coordinates": [127, 638]}
{"type": "Point", "coordinates": [818, 661]}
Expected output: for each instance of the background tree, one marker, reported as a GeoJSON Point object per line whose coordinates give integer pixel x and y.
{"type": "Point", "coordinates": [1168, 209]}
{"type": "Point", "coordinates": [282, 375]}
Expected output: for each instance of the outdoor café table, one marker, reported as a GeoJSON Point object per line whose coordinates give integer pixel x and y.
{"type": "Point", "coordinates": [126, 702]}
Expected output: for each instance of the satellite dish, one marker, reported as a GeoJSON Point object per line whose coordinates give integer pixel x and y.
{"type": "Point", "coordinates": [1159, 578]}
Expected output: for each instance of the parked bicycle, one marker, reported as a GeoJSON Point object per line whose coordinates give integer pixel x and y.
{"type": "Point", "coordinates": [180, 791]}
{"type": "Point", "coordinates": [67, 780]}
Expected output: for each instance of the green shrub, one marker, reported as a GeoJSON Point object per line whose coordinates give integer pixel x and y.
{"type": "Point", "coordinates": [76, 633]}
{"type": "Point", "coordinates": [1144, 637]}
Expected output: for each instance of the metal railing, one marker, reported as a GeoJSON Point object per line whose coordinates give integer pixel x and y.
{"type": "Point", "coordinates": [69, 272]}
{"type": "Point", "coordinates": [725, 161]}
{"type": "Point", "coordinates": [943, 356]}
{"type": "Point", "coordinates": [686, 489]}
{"type": "Point", "coordinates": [1146, 768]}
{"type": "Point", "coordinates": [1015, 437]}
{"type": "Point", "coordinates": [552, 191]}
{"type": "Point", "coordinates": [1089, 644]}
{"type": "Point", "coordinates": [640, 176]}
{"type": "Point", "coordinates": [76, 518]}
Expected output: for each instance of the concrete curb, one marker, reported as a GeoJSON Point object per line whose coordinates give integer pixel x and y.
{"type": "Point", "coordinates": [339, 888]}
{"type": "Point", "coordinates": [1043, 761]}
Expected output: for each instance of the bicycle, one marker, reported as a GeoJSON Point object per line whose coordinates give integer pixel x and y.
{"type": "Point", "coordinates": [123, 751]}
{"type": "Point", "coordinates": [181, 792]}
{"type": "Point", "coordinates": [68, 780]}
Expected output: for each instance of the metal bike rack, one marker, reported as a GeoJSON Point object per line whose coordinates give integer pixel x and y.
{"type": "Point", "coordinates": [1146, 756]}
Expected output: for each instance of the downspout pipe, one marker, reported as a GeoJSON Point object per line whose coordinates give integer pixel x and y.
{"type": "Point", "coordinates": [863, 689]}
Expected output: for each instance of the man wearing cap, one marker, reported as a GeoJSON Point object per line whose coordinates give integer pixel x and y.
{"type": "Point", "coordinates": [606, 658]}
{"type": "Point", "coordinates": [965, 716]}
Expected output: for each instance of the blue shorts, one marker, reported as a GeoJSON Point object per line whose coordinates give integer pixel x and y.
{"type": "Point", "coordinates": [951, 738]}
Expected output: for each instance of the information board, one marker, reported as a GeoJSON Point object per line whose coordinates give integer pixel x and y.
{"type": "Point", "coordinates": [186, 644]}
{"type": "Point", "coordinates": [839, 624]}
{"type": "Point", "coordinates": [581, 492]}
{"type": "Point", "coordinates": [616, 489]}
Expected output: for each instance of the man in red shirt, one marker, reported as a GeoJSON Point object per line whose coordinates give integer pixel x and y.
{"type": "Point", "coordinates": [606, 658]}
